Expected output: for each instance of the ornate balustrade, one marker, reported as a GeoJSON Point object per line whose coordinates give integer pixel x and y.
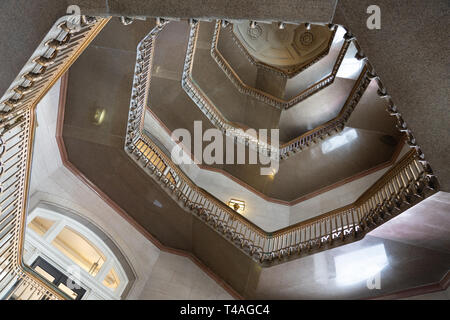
{"type": "Point", "coordinates": [408, 182]}
{"type": "Point", "coordinates": [295, 145]}
{"type": "Point", "coordinates": [264, 96]}
{"type": "Point", "coordinates": [333, 126]}
{"type": "Point", "coordinates": [65, 41]}
{"type": "Point", "coordinates": [287, 72]}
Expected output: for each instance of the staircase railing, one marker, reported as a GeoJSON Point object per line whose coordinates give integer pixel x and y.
{"type": "Point", "coordinates": [402, 186]}
{"type": "Point", "coordinates": [264, 96]}
{"type": "Point", "coordinates": [295, 145]}
{"type": "Point", "coordinates": [208, 107]}
{"type": "Point", "coordinates": [285, 72]}
{"type": "Point", "coordinates": [60, 48]}
{"type": "Point", "coordinates": [408, 182]}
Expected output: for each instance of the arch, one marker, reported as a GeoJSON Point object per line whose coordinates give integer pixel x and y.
{"type": "Point", "coordinates": [116, 264]}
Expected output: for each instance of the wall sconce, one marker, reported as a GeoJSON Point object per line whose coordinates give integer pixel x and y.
{"type": "Point", "coordinates": [272, 173]}
{"type": "Point", "coordinates": [237, 205]}
{"type": "Point", "coordinates": [99, 116]}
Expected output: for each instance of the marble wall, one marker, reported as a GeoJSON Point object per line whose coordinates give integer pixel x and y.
{"type": "Point", "coordinates": [54, 183]}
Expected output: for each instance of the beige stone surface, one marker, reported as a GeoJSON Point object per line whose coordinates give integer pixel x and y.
{"type": "Point", "coordinates": [54, 183]}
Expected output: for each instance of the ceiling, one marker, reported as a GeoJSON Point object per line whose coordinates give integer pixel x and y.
{"type": "Point", "coordinates": [424, 86]}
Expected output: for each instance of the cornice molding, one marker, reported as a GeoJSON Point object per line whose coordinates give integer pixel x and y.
{"type": "Point", "coordinates": [276, 102]}
{"type": "Point", "coordinates": [440, 285]}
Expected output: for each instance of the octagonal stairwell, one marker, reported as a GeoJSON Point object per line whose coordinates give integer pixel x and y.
{"type": "Point", "coordinates": [409, 185]}
{"type": "Point", "coordinates": [112, 170]}
{"type": "Point", "coordinates": [178, 111]}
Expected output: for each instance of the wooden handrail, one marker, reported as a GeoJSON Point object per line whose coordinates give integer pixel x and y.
{"type": "Point", "coordinates": [381, 182]}
{"type": "Point", "coordinates": [312, 220]}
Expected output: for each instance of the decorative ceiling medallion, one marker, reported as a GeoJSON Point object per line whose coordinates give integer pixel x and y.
{"type": "Point", "coordinates": [306, 38]}
{"type": "Point", "coordinates": [255, 32]}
